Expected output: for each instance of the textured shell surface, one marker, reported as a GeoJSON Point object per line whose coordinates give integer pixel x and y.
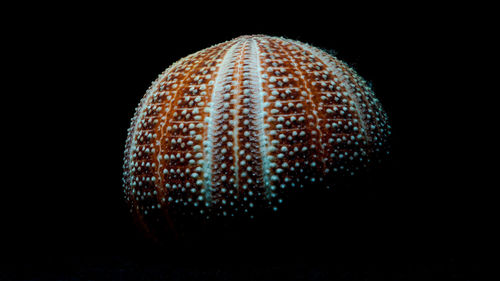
{"type": "Point", "coordinates": [230, 129]}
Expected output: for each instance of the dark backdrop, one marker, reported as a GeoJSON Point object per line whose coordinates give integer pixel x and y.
{"type": "Point", "coordinates": [417, 216]}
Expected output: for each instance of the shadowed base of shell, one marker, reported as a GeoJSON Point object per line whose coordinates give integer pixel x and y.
{"type": "Point", "coordinates": [312, 212]}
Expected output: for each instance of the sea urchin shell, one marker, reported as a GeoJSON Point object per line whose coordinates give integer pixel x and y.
{"type": "Point", "coordinates": [231, 128]}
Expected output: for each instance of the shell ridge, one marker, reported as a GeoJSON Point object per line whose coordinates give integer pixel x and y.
{"type": "Point", "coordinates": [258, 96]}
{"type": "Point", "coordinates": [215, 114]}
{"type": "Point", "coordinates": [311, 102]}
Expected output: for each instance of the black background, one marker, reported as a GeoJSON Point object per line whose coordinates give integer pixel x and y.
{"type": "Point", "coordinates": [420, 216]}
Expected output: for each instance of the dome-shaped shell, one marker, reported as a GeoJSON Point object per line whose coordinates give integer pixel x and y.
{"type": "Point", "coordinates": [231, 128]}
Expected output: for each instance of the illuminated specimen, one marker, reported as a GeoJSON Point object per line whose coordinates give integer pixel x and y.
{"type": "Point", "coordinates": [230, 129]}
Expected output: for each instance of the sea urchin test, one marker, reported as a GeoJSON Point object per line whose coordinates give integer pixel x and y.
{"type": "Point", "coordinates": [229, 130]}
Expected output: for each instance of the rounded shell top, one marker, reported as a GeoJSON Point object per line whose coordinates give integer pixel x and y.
{"type": "Point", "coordinates": [231, 128]}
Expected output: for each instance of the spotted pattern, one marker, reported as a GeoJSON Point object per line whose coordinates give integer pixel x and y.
{"type": "Point", "coordinates": [231, 128]}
